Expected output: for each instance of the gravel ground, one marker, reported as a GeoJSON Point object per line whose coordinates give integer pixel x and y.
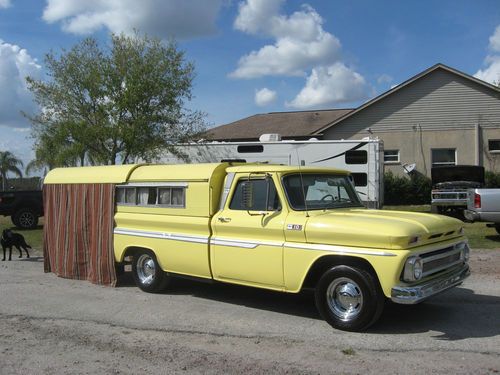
{"type": "Point", "coordinates": [50, 325]}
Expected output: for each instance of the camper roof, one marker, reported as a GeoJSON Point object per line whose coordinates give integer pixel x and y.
{"type": "Point", "coordinates": [119, 174]}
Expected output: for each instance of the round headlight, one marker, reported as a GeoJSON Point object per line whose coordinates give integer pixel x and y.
{"type": "Point", "coordinates": [418, 268]}
{"type": "Point", "coordinates": [414, 268]}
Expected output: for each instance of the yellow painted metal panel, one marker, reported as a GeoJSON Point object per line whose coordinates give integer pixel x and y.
{"type": "Point", "coordinates": [179, 242]}
{"type": "Point", "coordinates": [176, 172]}
{"type": "Point", "coordinates": [113, 174]}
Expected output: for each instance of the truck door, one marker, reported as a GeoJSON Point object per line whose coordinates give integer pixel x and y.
{"type": "Point", "coordinates": [247, 246]}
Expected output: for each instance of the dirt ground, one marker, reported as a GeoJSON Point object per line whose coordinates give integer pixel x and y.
{"type": "Point", "coordinates": [50, 325]}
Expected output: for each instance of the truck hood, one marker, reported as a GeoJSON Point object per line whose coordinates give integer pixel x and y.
{"type": "Point", "coordinates": [380, 228]}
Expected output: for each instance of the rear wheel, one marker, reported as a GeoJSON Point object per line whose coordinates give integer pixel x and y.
{"type": "Point", "coordinates": [25, 218]}
{"type": "Point", "coordinates": [349, 298]}
{"type": "Point", "coordinates": [148, 275]}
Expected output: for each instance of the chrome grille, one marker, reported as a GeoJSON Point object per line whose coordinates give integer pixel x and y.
{"type": "Point", "coordinates": [442, 259]}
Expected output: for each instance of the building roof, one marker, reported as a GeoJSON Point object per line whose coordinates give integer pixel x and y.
{"type": "Point", "coordinates": [296, 125]}
{"type": "Point", "coordinates": [305, 124]}
{"type": "Point", "coordinates": [404, 84]}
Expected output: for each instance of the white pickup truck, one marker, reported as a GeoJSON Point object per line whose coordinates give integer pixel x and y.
{"type": "Point", "coordinates": [484, 205]}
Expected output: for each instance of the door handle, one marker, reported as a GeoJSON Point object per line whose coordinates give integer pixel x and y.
{"type": "Point", "coordinates": [224, 219]}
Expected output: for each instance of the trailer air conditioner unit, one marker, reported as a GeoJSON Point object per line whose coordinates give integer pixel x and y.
{"type": "Point", "coordinates": [270, 138]}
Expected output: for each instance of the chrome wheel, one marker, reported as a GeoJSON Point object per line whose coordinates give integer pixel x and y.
{"type": "Point", "coordinates": [344, 298]}
{"type": "Point", "coordinates": [146, 269]}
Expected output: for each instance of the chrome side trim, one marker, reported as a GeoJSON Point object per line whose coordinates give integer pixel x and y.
{"type": "Point", "coordinates": [154, 184]}
{"type": "Point", "coordinates": [162, 235]}
{"type": "Point", "coordinates": [409, 295]}
{"type": "Point", "coordinates": [303, 246]}
{"type": "Point", "coordinates": [243, 244]}
{"type": "Point", "coordinates": [338, 249]}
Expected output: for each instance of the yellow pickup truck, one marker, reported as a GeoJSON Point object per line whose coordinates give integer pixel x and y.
{"type": "Point", "coordinates": [277, 227]}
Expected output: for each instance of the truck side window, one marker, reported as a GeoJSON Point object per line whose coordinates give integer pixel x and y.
{"type": "Point", "coordinates": [261, 188]}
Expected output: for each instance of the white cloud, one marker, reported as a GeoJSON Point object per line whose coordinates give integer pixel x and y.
{"type": "Point", "coordinates": [384, 78]}
{"type": "Point", "coordinates": [264, 97]}
{"type": "Point", "coordinates": [300, 41]}
{"type": "Point", "coordinates": [495, 40]}
{"type": "Point", "coordinates": [15, 65]}
{"type": "Point", "coordinates": [301, 47]}
{"type": "Point", "coordinates": [5, 3]}
{"type": "Point", "coordinates": [491, 73]}
{"type": "Point", "coordinates": [164, 18]}
{"type": "Point", "coordinates": [327, 86]}
{"type": "Point", "coordinates": [17, 142]}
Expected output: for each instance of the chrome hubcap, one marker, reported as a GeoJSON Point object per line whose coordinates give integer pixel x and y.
{"type": "Point", "coordinates": [344, 298]}
{"type": "Point", "coordinates": [146, 269]}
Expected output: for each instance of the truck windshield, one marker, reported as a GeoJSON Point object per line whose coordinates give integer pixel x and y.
{"type": "Point", "coordinates": [321, 191]}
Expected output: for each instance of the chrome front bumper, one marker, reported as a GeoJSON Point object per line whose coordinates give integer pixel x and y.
{"type": "Point", "coordinates": [410, 295]}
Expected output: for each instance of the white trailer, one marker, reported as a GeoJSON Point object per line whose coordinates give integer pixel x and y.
{"type": "Point", "coordinates": [363, 158]}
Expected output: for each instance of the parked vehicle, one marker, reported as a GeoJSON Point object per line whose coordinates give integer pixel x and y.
{"type": "Point", "coordinates": [484, 205]}
{"type": "Point", "coordinates": [283, 228]}
{"type": "Point", "coordinates": [450, 185]}
{"type": "Point", "coordinates": [24, 207]}
{"type": "Point", "coordinates": [364, 158]}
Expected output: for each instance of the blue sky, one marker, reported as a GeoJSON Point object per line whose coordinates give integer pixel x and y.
{"type": "Point", "coordinates": [256, 56]}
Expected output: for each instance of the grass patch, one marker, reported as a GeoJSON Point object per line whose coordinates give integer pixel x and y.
{"type": "Point", "coordinates": [348, 351]}
{"type": "Point", "coordinates": [479, 235]}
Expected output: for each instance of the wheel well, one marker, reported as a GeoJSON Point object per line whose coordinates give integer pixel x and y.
{"type": "Point", "coordinates": [133, 250]}
{"type": "Point", "coordinates": [324, 263]}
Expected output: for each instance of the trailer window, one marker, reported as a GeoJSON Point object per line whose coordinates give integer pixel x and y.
{"type": "Point", "coordinates": [151, 196]}
{"type": "Point", "coordinates": [250, 149]}
{"type": "Point", "coordinates": [173, 197]}
{"type": "Point", "coordinates": [360, 179]}
{"type": "Point", "coordinates": [125, 195]}
{"type": "Point", "coordinates": [356, 157]}
{"type": "Point", "coordinates": [146, 195]}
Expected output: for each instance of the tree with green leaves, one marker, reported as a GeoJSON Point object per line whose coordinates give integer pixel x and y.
{"type": "Point", "coordinates": [113, 105]}
{"type": "Point", "coordinates": [9, 163]}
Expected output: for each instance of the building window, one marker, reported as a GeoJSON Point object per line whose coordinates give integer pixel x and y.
{"type": "Point", "coordinates": [149, 196]}
{"type": "Point", "coordinates": [443, 156]}
{"type": "Point", "coordinates": [494, 145]}
{"type": "Point", "coordinates": [391, 156]}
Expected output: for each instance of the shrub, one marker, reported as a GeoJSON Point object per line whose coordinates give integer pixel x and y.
{"type": "Point", "coordinates": [400, 190]}
{"type": "Point", "coordinates": [492, 179]}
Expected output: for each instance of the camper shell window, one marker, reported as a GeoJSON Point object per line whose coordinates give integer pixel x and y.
{"type": "Point", "coordinates": [152, 196]}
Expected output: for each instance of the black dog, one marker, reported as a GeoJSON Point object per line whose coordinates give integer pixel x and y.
{"type": "Point", "coordinates": [10, 239]}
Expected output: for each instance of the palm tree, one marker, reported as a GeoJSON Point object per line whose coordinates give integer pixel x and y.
{"type": "Point", "coordinates": [9, 163]}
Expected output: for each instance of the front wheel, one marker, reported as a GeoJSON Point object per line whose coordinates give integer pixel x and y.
{"type": "Point", "coordinates": [349, 298]}
{"type": "Point", "coordinates": [148, 275]}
